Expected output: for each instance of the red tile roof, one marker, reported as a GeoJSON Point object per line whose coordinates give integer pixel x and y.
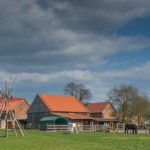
{"type": "Point", "coordinates": [13, 102]}
{"type": "Point", "coordinates": [73, 116]}
{"type": "Point", "coordinates": [63, 103]}
{"type": "Point", "coordinates": [97, 107]}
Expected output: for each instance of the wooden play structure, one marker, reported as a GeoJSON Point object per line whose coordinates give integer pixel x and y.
{"type": "Point", "coordinates": [8, 121]}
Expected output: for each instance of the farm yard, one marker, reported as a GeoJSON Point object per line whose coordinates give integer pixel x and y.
{"type": "Point", "coordinates": [43, 140]}
{"type": "Point", "coordinates": [74, 75]}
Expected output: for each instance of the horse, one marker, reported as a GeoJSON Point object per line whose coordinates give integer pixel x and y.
{"type": "Point", "coordinates": [132, 127]}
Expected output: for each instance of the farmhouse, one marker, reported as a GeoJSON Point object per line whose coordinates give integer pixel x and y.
{"type": "Point", "coordinates": [19, 106]}
{"type": "Point", "coordinates": [48, 105]}
{"type": "Point", "coordinates": [103, 113]}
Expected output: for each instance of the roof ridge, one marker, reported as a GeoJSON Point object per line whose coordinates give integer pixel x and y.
{"type": "Point", "coordinates": [54, 94]}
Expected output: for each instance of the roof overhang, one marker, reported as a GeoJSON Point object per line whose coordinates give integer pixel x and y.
{"type": "Point", "coordinates": [106, 119]}
{"type": "Point", "coordinates": [73, 116]}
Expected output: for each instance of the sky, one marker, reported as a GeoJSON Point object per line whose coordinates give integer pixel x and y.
{"type": "Point", "coordinates": [49, 43]}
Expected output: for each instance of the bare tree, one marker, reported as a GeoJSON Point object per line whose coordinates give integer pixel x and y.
{"type": "Point", "coordinates": [78, 90]}
{"type": "Point", "coordinates": [70, 89]}
{"type": "Point", "coordinates": [140, 107]}
{"type": "Point", "coordinates": [129, 102]}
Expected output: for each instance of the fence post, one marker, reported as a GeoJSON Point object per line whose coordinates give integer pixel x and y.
{"type": "Point", "coordinates": [95, 126]}
{"type": "Point", "coordinates": [117, 128]}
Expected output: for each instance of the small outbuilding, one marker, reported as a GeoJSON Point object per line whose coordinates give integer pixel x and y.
{"type": "Point", "coordinates": [58, 120]}
{"type": "Point", "coordinates": [53, 123]}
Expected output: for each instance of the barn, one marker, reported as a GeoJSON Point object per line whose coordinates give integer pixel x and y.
{"type": "Point", "coordinates": [49, 105]}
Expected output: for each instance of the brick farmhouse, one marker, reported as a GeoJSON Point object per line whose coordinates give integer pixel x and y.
{"type": "Point", "coordinates": [19, 106]}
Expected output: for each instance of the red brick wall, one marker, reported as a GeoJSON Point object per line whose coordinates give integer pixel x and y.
{"type": "Point", "coordinates": [109, 112]}
{"type": "Point", "coordinates": [21, 110]}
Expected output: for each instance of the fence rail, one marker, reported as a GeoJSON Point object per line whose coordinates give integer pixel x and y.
{"type": "Point", "coordinates": [58, 127]}
{"type": "Point", "coordinates": [79, 128]}
{"type": "Point", "coordinates": [100, 128]}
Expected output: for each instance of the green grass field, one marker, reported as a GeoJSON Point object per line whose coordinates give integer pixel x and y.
{"type": "Point", "coordinates": [40, 140]}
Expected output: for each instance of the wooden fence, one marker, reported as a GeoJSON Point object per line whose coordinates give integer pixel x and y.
{"type": "Point", "coordinates": [100, 128]}
{"type": "Point", "coordinates": [79, 128]}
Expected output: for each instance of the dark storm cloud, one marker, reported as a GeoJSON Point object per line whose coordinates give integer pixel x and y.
{"type": "Point", "coordinates": [95, 16]}
{"type": "Point", "coordinates": [39, 34]}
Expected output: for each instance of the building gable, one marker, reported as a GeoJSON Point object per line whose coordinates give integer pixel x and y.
{"type": "Point", "coordinates": [38, 106]}
{"type": "Point", "coordinates": [97, 107]}
{"type": "Point", "coordinates": [101, 110]}
{"type": "Point", "coordinates": [19, 106]}
{"type": "Point", "coordinates": [109, 111]}
{"type": "Point", "coordinates": [21, 109]}
{"type": "Point", "coordinates": [37, 110]}
{"type": "Point", "coordinates": [14, 102]}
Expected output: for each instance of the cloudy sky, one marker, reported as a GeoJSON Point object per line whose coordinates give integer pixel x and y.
{"type": "Point", "coordinates": [99, 43]}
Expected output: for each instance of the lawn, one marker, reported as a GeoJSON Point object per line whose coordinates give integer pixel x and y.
{"type": "Point", "coordinates": [40, 140]}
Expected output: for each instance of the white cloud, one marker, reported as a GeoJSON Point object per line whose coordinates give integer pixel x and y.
{"type": "Point", "coordinates": [99, 82]}
{"type": "Point", "coordinates": [140, 73]}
